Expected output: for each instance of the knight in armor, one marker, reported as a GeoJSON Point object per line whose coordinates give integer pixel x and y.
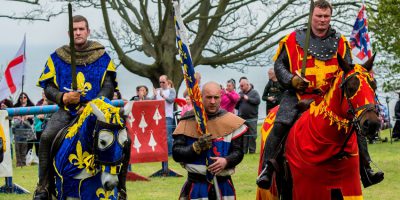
{"type": "Point", "coordinates": [321, 67]}
{"type": "Point", "coordinates": [222, 149]}
{"type": "Point", "coordinates": [96, 77]}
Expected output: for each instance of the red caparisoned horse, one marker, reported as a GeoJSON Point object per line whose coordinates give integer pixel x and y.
{"type": "Point", "coordinates": [321, 148]}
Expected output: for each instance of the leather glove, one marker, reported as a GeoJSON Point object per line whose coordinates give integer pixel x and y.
{"type": "Point", "coordinates": [204, 143]}
{"type": "Point", "coordinates": [299, 84]}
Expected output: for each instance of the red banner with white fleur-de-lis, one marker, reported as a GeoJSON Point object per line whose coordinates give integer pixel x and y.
{"type": "Point", "coordinates": [147, 130]}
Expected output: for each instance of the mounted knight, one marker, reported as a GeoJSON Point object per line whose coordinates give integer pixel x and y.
{"type": "Point", "coordinates": [308, 82]}
{"type": "Point", "coordinates": [74, 75]}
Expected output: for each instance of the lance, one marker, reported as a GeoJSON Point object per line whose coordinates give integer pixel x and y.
{"type": "Point", "coordinates": [307, 43]}
{"type": "Point", "coordinates": [192, 86]}
{"type": "Point", "coordinates": [72, 47]}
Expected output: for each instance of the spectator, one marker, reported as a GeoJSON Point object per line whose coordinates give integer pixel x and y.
{"type": "Point", "coordinates": [273, 91]}
{"type": "Point", "coordinates": [187, 107]}
{"type": "Point", "coordinates": [6, 103]}
{"type": "Point", "coordinates": [117, 95]}
{"type": "Point", "coordinates": [248, 110]}
{"type": "Point", "coordinates": [165, 92]}
{"type": "Point", "coordinates": [396, 129]}
{"type": "Point", "coordinates": [38, 125]}
{"type": "Point", "coordinates": [141, 93]}
{"type": "Point", "coordinates": [22, 129]}
{"type": "Point", "coordinates": [229, 97]}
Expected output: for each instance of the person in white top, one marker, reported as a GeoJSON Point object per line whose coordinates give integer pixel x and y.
{"type": "Point", "coordinates": [165, 92]}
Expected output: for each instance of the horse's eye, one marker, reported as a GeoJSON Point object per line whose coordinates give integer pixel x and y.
{"type": "Point", "coordinates": [122, 137]}
{"type": "Point", "coordinates": [106, 138]}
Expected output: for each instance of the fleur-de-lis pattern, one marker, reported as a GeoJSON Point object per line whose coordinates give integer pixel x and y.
{"type": "Point", "coordinates": [78, 159]}
{"type": "Point", "coordinates": [83, 86]}
{"type": "Point", "coordinates": [104, 195]}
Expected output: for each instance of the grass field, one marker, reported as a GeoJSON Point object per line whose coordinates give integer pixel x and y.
{"type": "Point", "coordinates": [386, 155]}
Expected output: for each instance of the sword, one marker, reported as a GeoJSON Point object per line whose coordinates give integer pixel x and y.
{"type": "Point", "coordinates": [72, 47]}
{"type": "Point", "coordinates": [307, 43]}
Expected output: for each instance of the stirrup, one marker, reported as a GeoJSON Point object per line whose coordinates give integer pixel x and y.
{"type": "Point", "coordinates": [41, 194]}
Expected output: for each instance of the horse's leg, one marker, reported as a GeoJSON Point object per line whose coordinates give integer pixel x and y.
{"type": "Point", "coordinates": [336, 194]}
{"type": "Point", "coordinates": [287, 184]}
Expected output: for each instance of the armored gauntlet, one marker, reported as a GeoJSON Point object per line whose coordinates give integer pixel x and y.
{"type": "Point", "coordinates": [203, 143]}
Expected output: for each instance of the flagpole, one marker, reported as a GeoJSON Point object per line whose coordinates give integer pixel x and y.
{"type": "Point", "coordinates": [23, 73]}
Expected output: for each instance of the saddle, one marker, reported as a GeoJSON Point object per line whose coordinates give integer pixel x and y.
{"type": "Point", "coordinates": [60, 137]}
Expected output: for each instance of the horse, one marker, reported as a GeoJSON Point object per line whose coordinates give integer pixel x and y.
{"type": "Point", "coordinates": [321, 148]}
{"type": "Point", "coordinates": [90, 154]}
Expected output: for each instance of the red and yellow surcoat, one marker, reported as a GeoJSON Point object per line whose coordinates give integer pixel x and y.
{"type": "Point", "coordinates": [318, 72]}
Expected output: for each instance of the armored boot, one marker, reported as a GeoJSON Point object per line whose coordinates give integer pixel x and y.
{"type": "Point", "coordinates": [272, 148]}
{"type": "Point", "coordinates": [264, 180]}
{"type": "Point", "coordinates": [41, 192]}
{"type": "Point", "coordinates": [368, 176]}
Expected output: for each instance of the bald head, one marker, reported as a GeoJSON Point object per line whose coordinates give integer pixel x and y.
{"type": "Point", "coordinates": [211, 94]}
{"type": "Point", "coordinates": [244, 85]}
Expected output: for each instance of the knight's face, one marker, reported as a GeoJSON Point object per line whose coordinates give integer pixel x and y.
{"type": "Point", "coordinates": [81, 33]}
{"type": "Point", "coordinates": [321, 19]}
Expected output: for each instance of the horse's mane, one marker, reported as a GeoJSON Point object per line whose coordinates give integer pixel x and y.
{"type": "Point", "coordinates": [111, 115]}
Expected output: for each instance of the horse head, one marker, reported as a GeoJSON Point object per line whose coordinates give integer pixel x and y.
{"type": "Point", "coordinates": [110, 138]}
{"type": "Point", "coordinates": [358, 89]}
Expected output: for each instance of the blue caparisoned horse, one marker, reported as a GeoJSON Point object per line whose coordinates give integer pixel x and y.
{"type": "Point", "coordinates": [89, 158]}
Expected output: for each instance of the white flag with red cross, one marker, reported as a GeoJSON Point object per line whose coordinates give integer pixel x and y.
{"type": "Point", "coordinates": [12, 78]}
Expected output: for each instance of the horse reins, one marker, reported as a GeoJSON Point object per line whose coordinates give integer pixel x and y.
{"type": "Point", "coordinates": [355, 122]}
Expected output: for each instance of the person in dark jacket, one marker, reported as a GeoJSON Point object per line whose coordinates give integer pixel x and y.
{"type": "Point", "coordinates": [396, 128]}
{"type": "Point", "coordinates": [248, 109]}
{"type": "Point", "coordinates": [272, 91]}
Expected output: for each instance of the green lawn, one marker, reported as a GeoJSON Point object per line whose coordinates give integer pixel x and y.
{"type": "Point", "coordinates": [386, 155]}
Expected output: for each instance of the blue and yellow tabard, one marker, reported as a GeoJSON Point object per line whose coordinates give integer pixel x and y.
{"type": "Point", "coordinates": [90, 77]}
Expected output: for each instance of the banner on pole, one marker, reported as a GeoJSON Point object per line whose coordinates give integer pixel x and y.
{"type": "Point", "coordinates": [12, 80]}
{"type": "Point", "coordinates": [359, 40]}
{"type": "Point", "coordinates": [147, 129]}
{"type": "Point", "coordinates": [6, 169]}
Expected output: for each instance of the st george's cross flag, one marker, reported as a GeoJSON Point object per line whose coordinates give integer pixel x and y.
{"type": "Point", "coordinates": [359, 40]}
{"type": "Point", "coordinates": [13, 75]}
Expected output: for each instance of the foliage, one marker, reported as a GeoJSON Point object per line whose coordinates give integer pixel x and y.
{"type": "Point", "coordinates": [385, 25]}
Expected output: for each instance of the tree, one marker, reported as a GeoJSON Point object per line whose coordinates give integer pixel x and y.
{"type": "Point", "coordinates": [385, 25]}
{"type": "Point", "coordinates": [223, 33]}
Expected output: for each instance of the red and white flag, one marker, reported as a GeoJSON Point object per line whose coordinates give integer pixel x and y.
{"type": "Point", "coordinates": [12, 79]}
{"type": "Point", "coordinates": [147, 129]}
{"type": "Point", "coordinates": [359, 40]}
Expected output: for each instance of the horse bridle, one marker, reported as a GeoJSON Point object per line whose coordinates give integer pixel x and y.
{"type": "Point", "coordinates": [355, 122]}
{"type": "Point", "coordinates": [95, 147]}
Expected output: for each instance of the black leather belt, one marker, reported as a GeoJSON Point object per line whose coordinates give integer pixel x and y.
{"type": "Point", "coordinates": [195, 178]}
